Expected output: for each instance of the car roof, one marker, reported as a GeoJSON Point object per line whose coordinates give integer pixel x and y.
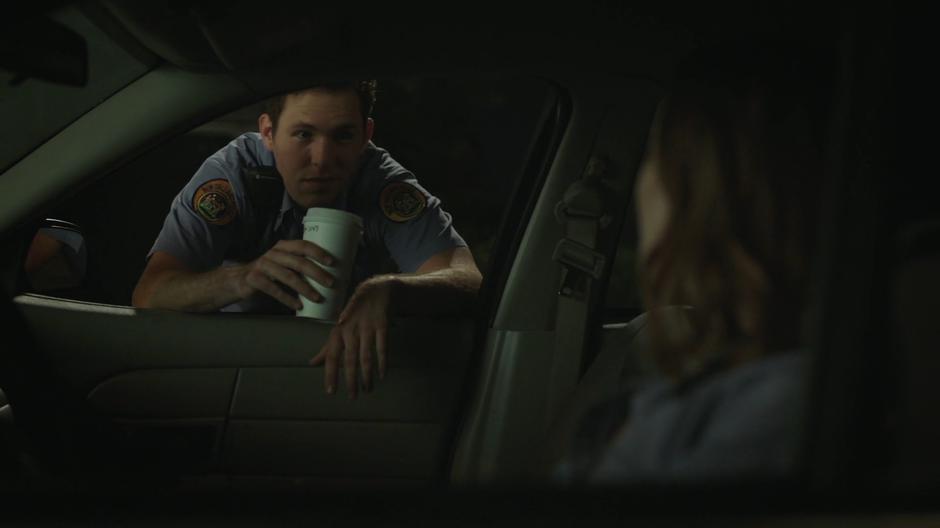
{"type": "Point", "coordinates": [386, 38]}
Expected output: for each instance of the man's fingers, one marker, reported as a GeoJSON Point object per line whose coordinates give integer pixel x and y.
{"type": "Point", "coordinates": [331, 355]}
{"type": "Point", "coordinates": [263, 283]}
{"type": "Point", "coordinates": [348, 309]}
{"type": "Point", "coordinates": [365, 361]}
{"type": "Point", "coordinates": [303, 266]}
{"type": "Point", "coordinates": [351, 351]}
{"type": "Point", "coordinates": [292, 281]}
{"type": "Point", "coordinates": [317, 273]}
{"type": "Point", "coordinates": [319, 358]}
{"type": "Point", "coordinates": [380, 335]}
{"type": "Point", "coordinates": [318, 254]}
{"type": "Point", "coordinates": [308, 249]}
{"type": "Point", "coordinates": [281, 269]}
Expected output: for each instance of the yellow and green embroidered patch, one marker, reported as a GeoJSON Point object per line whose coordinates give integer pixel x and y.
{"type": "Point", "coordinates": [215, 202]}
{"type": "Point", "coordinates": [402, 201]}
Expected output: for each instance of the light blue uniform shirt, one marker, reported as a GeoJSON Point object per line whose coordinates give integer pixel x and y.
{"type": "Point", "coordinates": [203, 246]}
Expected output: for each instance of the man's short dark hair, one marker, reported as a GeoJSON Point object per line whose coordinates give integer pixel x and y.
{"type": "Point", "coordinates": [364, 89]}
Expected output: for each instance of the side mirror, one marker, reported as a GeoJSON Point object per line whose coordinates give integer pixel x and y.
{"type": "Point", "coordinates": [57, 257]}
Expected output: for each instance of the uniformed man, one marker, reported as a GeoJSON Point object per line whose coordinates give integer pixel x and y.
{"type": "Point", "coordinates": [232, 240]}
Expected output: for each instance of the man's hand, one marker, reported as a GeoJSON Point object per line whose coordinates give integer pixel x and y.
{"type": "Point", "coordinates": [446, 283]}
{"type": "Point", "coordinates": [359, 333]}
{"type": "Point", "coordinates": [287, 263]}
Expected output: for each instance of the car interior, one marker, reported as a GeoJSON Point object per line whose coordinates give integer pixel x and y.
{"type": "Point", "coordinates": [530, 126]}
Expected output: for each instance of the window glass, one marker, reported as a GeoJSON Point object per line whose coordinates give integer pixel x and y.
{"type": "Point", "coordinates": [465, 140]}
{"type": "Point", "coordinates": [40, 108]}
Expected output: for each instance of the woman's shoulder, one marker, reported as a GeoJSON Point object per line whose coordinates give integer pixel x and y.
{"type": "Point", "coordinates": [740, 422]}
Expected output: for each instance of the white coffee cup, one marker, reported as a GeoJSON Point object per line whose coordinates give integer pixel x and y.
{"type": "Point", "coordinates": [337, 232]}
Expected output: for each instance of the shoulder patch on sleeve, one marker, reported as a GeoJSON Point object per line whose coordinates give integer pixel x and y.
{"type": "Point", "coordinates": [401, 201]}
{"type": "Point", "coordinates": [214, 201]}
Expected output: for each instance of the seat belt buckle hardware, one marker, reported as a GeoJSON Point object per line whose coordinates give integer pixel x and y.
{"type": "Point", "coordinates": [565, 213]}
{"type": "Point", "coordinates": [576, 257]}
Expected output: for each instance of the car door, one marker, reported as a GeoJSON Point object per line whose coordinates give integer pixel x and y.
{"type": "Point", "coordinates": [233, 396]}
{"type": "Point", "coordinates": [225, 400]}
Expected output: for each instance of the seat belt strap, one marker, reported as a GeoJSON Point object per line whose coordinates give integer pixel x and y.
{"type": "Point", "coordinates": [583, 212]}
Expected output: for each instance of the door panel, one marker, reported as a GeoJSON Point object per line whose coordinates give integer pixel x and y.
{"type": "Point", "coordinates": [348, 449]}
{"type": "Point", "coordinates": [234, 394]}
{"type": "Point", "coordinates": [180, 446]}
{"type": "Point", "coordinates": [166, 393]}
{"type": "Point", "coordinates": [411, 394]}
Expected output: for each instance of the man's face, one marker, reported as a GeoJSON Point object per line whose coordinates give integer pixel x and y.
{"type": "Point", "coordinates": [317, 143]}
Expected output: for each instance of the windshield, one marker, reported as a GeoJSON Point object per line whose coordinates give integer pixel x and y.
{"type": "Point", "coordinates": [39, 109]}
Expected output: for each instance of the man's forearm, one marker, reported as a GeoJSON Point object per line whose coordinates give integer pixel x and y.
{"type": "Point", "coordinates": [192, 292]}
{"type": "Point", "coordinates": [447, 291]}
